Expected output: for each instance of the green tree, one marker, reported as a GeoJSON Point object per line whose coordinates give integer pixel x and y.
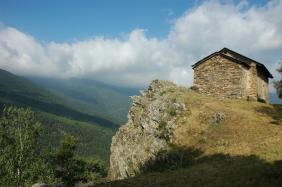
{"type": "Point", "coordinates": [70, 169]}
{"type": "Point", "coordinates": [67, 168]}
{"type": "Point", "coordinates": [21, 159]}
{"type": "Point", "coordinates": [94, 170]}
{"type": "Point", "coordinates": [278, 84]}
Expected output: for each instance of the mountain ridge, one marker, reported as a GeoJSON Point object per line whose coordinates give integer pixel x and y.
{"type": "Point", "coordinates": [97, 98]}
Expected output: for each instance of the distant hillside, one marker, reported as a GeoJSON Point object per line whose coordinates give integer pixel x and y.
{"type": "Point", "coordinates": [59, 115]}
{"type": "Point", "coordinates": [273, 99]}
{"type": "Point", "coordinates": [93, 97]}
{"type": "Point", "coordinates": [177, 137]}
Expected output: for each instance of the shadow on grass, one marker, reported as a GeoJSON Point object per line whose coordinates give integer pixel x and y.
{"type": "Point", "coordinates": [275, 112]}
{"type": "Point", "coordinates": [190, 167]}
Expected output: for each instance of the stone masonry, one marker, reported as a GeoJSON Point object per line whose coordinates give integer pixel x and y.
{"type": "Point", "coordinates": [224, 76]}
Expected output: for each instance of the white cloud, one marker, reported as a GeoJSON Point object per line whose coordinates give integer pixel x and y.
{"type": "Point", "coordinates": [137, 59]}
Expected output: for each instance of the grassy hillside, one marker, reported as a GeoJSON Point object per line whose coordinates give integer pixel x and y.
{"type": "Point", "coordinates": [218, 142]}
{"type": "Point", "coordinates": [59, 115]}
{"type": "Point", "coordinates": [92, 97]}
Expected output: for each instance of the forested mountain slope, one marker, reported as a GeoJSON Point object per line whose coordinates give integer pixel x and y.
{"type": "Point", "coordinates": [59, 115]}
{"type": "Point", "coordinates": [93, 97]}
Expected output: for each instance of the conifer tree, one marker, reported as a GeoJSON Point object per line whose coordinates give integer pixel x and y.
{"type": "Point", "coordinates": [278, 84]}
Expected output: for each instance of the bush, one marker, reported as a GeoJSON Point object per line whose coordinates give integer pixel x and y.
{"type": "Point", "coordinates": [194, 88]}
{"type": "Point", "coordinates": [172, 111]}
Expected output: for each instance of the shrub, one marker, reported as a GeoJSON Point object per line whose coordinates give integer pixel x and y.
{"type": "Point", "coordinates": [162, 125]}
{"type": "Point", "coordinates": [172, 111]}
{"type": "Point", "coordinates": [194, 88]}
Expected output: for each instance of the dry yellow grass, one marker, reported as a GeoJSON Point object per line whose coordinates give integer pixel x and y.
{"type": "Point", "coordinates": [249, 128]}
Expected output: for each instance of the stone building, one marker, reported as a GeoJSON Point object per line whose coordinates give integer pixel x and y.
{"type": "Point", "coordinates": [226, 73]}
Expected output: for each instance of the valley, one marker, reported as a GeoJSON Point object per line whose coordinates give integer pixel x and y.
{"type": "Point", "coordinates": [88, 110]}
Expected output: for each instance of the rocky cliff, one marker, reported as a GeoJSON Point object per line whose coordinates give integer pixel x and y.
{"type": "Point", "coordinates": [149, 130]}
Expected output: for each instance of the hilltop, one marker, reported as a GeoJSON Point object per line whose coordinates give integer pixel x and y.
{"type": "Point", "coordinates": [177, 137]}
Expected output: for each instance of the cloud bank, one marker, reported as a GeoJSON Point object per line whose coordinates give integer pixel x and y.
{"type": "Point", "coordinates": [134, 59]}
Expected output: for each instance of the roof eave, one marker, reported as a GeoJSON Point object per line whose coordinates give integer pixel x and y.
{"type": "Point", "coordinates": [220, 52]}
{"type": "Point", "coordinates": [254, 61]}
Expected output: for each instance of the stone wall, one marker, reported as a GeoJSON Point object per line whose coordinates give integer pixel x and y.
{"type": "Point", "coordinates": [251, 83]}
{"type": "Point", "coordinates": [219, 76]}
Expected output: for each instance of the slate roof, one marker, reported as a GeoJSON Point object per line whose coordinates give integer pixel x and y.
{"type": "Point", "coordinates": [235, 57]}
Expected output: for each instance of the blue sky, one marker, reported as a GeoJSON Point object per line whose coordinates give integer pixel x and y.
{"type": "Point", "coordinates": [131, 42]}
{"type": "Point", "coordinates": [68, 20]}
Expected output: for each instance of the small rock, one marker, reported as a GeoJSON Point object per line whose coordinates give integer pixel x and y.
{"type": "Point", "coordinates": [219, 117]}
{"type": "Point", "coordinates": [46, 185]}
{"type": "Point", "coordinates": [38, 185]}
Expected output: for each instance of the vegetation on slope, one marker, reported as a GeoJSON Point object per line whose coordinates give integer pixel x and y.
{"type": "Point", "coordinates": [94, 140]}
{"type": "Point", "coordinates": [25, 161]}
{"type": "Point", "coordinates": [20, 158]}
{"type": "Point", "coordinates": [22, 92]}
{"type": "Point", "coordinates": [93, 97]}
{"type": "Point", "coordinates": [59, 115]}
{"type": "Point", "coordinates": [218, 142]}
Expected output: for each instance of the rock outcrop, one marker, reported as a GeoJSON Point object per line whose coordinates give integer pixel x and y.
{"type": "Point", "coordinates": [149, 130]}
